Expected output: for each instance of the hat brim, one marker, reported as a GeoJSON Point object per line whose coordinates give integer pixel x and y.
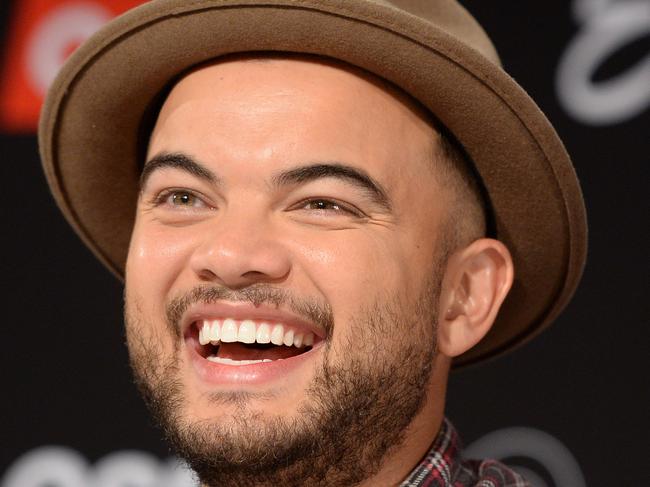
{"type": "Point", "coordinates": [90, 134]}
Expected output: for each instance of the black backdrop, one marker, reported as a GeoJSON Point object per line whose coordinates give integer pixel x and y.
{"type": "Point", "coordinates": [583, 383]}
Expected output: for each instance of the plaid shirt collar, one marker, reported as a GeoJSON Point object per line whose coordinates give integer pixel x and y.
{"type": "Point", "coordinates": [443, 466]}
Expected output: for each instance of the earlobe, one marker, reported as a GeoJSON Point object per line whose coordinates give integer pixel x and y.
{"type": "Point", "coordinates": [476, 283]}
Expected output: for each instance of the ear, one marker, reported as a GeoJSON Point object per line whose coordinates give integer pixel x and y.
{"type": "Point", "coordinates": [477, 280]}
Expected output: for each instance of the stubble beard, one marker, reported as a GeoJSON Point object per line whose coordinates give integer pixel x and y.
{"type": "Point", "coordinates": [354, 414]}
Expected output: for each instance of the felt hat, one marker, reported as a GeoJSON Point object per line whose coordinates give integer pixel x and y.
{"type": "Point", "coordinates": [91, 131]}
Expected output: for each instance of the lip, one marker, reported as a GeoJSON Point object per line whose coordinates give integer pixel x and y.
{"type": "Point", "coordinates": [246, 375]}
{"type": "Point", "coordinates": [242, 311]}
{"type": "Point", "coordinates": [216, 374]}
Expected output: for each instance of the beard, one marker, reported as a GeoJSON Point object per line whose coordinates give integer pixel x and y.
{"type": "Point", "coordinates": [354, 412]}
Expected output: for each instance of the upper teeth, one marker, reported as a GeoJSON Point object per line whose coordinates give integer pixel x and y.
{"type": "Point", "coordinates": [249, 331]}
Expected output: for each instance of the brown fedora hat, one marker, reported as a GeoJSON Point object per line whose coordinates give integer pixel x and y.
{"type": "Point", "coordinates": [91, 126]}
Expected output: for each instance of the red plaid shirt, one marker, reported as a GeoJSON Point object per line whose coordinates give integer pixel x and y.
{"type": "Point", "coordinates": [444, 467]}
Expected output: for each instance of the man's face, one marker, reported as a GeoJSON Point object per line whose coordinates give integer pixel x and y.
{"type": "Point", "coordinates": [294, 204]}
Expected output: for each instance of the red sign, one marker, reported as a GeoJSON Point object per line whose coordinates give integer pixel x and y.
{"type": "Point", "coordinates": [42, 34]}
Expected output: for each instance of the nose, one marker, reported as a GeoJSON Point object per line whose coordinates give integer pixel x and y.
{"type": "Point", "coordinates": [238, 250]}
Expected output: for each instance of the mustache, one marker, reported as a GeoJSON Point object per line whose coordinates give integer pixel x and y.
{"type": "Point", "coordinates": [317, 311]}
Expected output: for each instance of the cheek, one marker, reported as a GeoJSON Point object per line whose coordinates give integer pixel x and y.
{"type": "Point", "coordinates": [157, 256]}
{"type": "Point", "coordinates": [355, 269]}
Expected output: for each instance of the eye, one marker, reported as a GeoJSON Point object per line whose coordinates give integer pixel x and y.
{"type": "Point", "coordinates": [180, 198]}
{"type": "Point", "coordinates": [323, 205]}
{"type": "Point", "coordinates": [183, 199]}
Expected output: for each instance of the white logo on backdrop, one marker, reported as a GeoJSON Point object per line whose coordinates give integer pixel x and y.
{"type": "Point", "coordinates": [62, 30]}
{"type": "Point", "coordinates": [531, 444]}
{"type": "Point", "coordinates": [606, 27]}
{"type": "Point", "coordinates": [54, 466]}
{"type": "Point", "coordinates": [62, 467]}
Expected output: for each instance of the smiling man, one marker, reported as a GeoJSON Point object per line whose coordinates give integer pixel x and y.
{"type": "Point", "coordinates": [308, 248]}
{"type": "Point", "coordinates": [275, 239]}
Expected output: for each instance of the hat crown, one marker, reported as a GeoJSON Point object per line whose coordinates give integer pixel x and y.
{"type": "Point", "coordinates": [452, 18]}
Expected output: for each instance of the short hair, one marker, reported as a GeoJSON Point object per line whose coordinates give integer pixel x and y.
{"type": "Point", "coordinates": [469, 215]}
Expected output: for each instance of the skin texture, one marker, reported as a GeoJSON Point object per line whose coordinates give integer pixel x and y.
{"type": "Point", "coordinates": [396, 298]}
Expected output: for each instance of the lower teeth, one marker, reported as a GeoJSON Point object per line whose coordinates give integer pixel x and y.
{"type": "Point", "coordinates": [227, 361]}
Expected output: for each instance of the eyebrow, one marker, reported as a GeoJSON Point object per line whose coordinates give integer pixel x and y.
{"type": "Point", "coordinates": [298, 175]}
{"type": "Point", "coordinates": [353, 175]}
{"type": "Point", "coordinates": [176, 161]}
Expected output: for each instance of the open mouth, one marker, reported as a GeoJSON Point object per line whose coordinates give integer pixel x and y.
{"type": "Point", "coordinates": [246, 342]}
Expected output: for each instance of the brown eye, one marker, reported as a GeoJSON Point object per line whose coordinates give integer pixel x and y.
{"type": "Point", "coordinates": [184, 199]}
{"type": "Point", "coordinates": [180, 199]}
{"type": "Point", "coordinates": [328, 207]}
{"type": "Point", "coordinates": [323, 205]}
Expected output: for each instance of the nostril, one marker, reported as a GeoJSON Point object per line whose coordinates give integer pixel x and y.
{"type": "Point", "coordinates": [254, 275]}
{"type": "Point", "coordinates": [270, 277]}
{"type": "Point", "coordinates": [207, 275]}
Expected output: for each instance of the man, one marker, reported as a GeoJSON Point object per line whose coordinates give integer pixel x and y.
{"type": "Point", "coordinates": [318, 209]}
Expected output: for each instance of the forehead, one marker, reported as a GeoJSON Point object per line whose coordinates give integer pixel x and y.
{"type": "Point", "coordinates": [310, 82]}
{"type": "Point", "coordinates": [294, 111]}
